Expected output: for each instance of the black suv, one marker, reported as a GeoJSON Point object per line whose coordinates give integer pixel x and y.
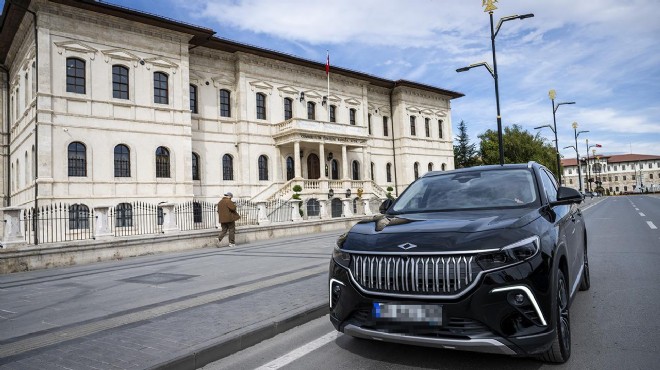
{"type": "Point", "coordinates": [483, 259]}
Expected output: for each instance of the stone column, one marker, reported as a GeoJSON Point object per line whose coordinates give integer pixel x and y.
{"type": "Point", "coordinates": [169, 218]}
{"type": "Point", "coordinates": [262, 218]}
{"type": "Point", "coordinates": [344, 163]}
{"type": "Point", "coordinates": [366, 168]}
{"type": "Point", "coordinates": [295, 210]}
{"type": "Point", "coordinates": [296, 160]}
{"type": "Point", "coordinates": [367, 209]}
{"type": "Point", "coordinates": [325, 205]}
{"type": "Point", "coordinates": [322, 163]}
{"type": "Point", "coordinates": [347, 210]}
{"type": "Point", "coordinates": [277, 163]}
{"type": "Point", "coordinates": [12, 236]}
{"type": "Point", "coordinates": [102, 228]}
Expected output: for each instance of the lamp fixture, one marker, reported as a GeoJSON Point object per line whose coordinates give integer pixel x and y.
{"type": "Point", "coordinates": [348, 193]}
{"type": "Point", "coordinates": [330, 156]}
{"type": "Point", "coordinates": [325, 100]}
{"type": "Point", "coordinates": [302, 96]}
{"type": "Point", "coordinates": [331, 193]}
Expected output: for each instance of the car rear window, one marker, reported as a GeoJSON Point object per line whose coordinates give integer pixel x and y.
{"type": "Point", "coordinates": [469, 190]}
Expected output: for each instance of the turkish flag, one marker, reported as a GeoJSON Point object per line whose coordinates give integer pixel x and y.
{"type": "Point", "coordinates": [598, 146]}
{"type": "Point", "coordinates": [327, 65]}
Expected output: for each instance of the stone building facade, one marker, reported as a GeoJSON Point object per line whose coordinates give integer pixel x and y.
{"type": "Point", "coordinates": [614, 174]}
{"type": "Point", "coordinates": [112, 105]}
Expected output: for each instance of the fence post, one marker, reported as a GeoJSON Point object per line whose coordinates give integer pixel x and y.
{"type": "Point", "coordinates": [367, 209]}
{"type": "Point", "coordinates": [102, 225]}
{"type": "Point", "coordinates": [295, 210]}
{"type": "Point", "coordinates": [262, 217]}
{"type": "Point", "coordinates": [12, 235]}
{"type": "Point", "coordinates": [324, 206]}
{"type": "Point", "coordinates": [348, 207]}
{"type": "Point", "coordinates": [169, 218]}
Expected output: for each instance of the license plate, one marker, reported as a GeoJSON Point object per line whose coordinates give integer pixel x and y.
{"type": "Point", "coordinates": [408, 312]}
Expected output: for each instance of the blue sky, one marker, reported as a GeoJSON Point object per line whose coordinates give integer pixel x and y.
{"type": "Point", "coordinates": [604, 55]}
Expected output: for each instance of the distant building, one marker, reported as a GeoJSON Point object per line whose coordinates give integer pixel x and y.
{"type": "Point", "coordinates": [622, 173]}
{"type": "Point", "coordinates": [115, 105]}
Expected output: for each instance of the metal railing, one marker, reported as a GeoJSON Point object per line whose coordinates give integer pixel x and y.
{"type": "Point", "coordinates": [196, 215]}
{"type": "Point", "coordinates": [248, 211]}
{"type": "Point", "coordinates": [278, 210]}
{"type": "Point", "coordinates": [137, 218]}
{"type": "Point", "coordinates": [58, 223]}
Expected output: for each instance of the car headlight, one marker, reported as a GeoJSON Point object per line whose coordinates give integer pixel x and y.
{"type": "Point", "coordinates": [510, 255]}
{"type": "Point", "coordinates": [341, 258]}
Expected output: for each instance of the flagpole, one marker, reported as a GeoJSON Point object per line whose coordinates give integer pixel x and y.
{"type": "Point", "coordinates": [327, 73]}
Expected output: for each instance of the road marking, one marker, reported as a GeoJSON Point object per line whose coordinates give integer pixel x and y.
{"type": "Point", "coordinates": [82, 330]}
{"type": "Point", "coordinates": [651, 225]}
{"type": "Point", "coordinates": [300, 352]}
{"type": "Point", "coordinates": [7, 311]}
{"type": "Point", "coordinates": [641, 214]}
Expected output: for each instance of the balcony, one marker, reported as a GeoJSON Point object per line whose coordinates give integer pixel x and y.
{"type": "Point", "coordinates": [318, 131]}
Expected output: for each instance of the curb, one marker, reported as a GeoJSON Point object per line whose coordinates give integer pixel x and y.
{"type": "Point", "coordinates": [216, 351]}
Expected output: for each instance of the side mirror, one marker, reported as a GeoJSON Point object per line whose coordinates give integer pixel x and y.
{"type": "Point", "coordinates": [385, 205]}
{"type": "Point", "coordinates": [567, 196]}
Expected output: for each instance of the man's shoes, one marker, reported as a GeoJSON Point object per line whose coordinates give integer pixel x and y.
{"type": "Point", "coordinates": [231, 245]}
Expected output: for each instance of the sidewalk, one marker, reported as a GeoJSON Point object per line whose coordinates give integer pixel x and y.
{"type": "Point", "coordinates": [180, 310]}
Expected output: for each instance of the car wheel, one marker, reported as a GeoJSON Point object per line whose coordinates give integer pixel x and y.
{"type": "Point", "coordinates": [560, 350]}
{"type": "Point", "coordinates": [585, 284]}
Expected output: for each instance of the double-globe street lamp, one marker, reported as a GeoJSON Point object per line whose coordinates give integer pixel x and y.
{"type": "Point", "coordinates": [493, 71]}
{"type": "Point", "coordinates": [552, 94]}
{"type": "Point", "coordinates": [588, 185]}
{"type": "Point", "coordinates": [577, 133]}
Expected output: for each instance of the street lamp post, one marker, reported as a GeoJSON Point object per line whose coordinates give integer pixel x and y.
{"type": "Point", "coordinates": [493, 71]}
{"type": "Point", "coordinates": [576, 134]}
{"type": "Point", "coordinates": [552, 94]}
{"type": "Point", "coordinates": [588, 172]}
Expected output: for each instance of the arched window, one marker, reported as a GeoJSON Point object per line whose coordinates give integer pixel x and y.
{"type": "Point", "coordinates": [122, 161]}
{"type": "Point", "coordinates": [261, 106]}
{"type": "Point", "coordinates": [416, 169]}
{"type": "Point", "coordinates": [430, 166]}
{"type": "Point", "coordinates": [335, 169]}
{"type": "Point", "coordinates": [75, 75]}
{"type": "Point", "coordinates": [311, 110]}
{"type": "Point", "coordinates": [385, 127]}
{"type": "Point", "coordinates": [356, 170]}
{"type": "Point", "coordinates": [440, 131]}
{"type": "Point", "coordinates": [290, 170]}
{"type": "Point", "coordinates": [444, 167]}
{"type": "Point", "coordinates": [333, 113]}
{"type": "Point", "coordinates": [227, 167]}
{"type": "Point", "coordinates": [124, 215]}
{"type": "Point", "coordinates": [161, 88]}
{"type": "Point", "coordinates": [413, 131]}
{"type": "Point", "coordinates": [77, 159]}
{"type": "Point", "coordinates": [162, 162]}
{"type": "Point", "coordinates": [26, 177]}
{"type": "Point", "coordinates": [351, 116]}
{"type": "Point", "coordinates": [33, 167]}
{"type": "Point", "coordinates": [263, 167]}
{"type": "Point", "coordinates": [78, 217]}
{"type": "Point", "coordinates": [372, 171]}
{"type": "Point", "coordinates": [313, 208]}
{"type": "Point", "coordinates": [427, 127]}
{"type": "Point", "coordinates": [119, 82]}
{"type": "Point", "coordinates": [288, 108]}
{"type": "Point", "coordinates": [193, 99]}
{"type": "Point", "coordinates": [195, 166]}
{"type": "Point", "coordinates": [225, 103]}
{"type": "Point", "coordinates": [388, 171]}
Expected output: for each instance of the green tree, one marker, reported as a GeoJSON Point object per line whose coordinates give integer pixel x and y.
{"type": "Point", "coordinates": [465, 154]}
{"type": "Point", "coordinates": [520, 146]}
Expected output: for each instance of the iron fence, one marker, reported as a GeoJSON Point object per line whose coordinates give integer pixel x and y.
{"type": "Point", "coordinates": [278, 210]}
{"type": "Point", "coordinates": [196, 215]}
{"type": "Point", "coordinates": [58, 222]}
{"type": "Point", "coordinates": [137, 218]}
{"type": "Point", "coordinates": [248, 211]}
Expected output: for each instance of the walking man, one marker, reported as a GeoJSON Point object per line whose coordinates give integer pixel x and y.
{"type": "Point", "coordinates": [227, 215]}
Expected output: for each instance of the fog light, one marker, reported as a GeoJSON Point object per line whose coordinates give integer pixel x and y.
{"type": "Point", "coordinates": [519, 298]}
{"type": "Point", "coordinates": [336, 289]}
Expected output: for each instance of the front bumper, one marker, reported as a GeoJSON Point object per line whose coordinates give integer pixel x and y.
{"type": "Point", "coordinates": [490, 317]}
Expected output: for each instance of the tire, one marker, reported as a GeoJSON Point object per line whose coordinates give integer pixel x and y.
{"type": "Point", "coordinates": [585, 283]}
{"type": "Point", "coordinates": [560, 351]}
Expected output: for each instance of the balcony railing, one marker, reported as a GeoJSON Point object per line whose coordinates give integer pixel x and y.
{"type": "Point", "coordinates": [297, 125]}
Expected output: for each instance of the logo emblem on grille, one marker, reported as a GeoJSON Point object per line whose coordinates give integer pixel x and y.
{"type": "Point", "coordinates": [407, 246]}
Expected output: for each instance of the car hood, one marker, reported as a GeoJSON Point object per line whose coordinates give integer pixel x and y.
{"type": "Point", "coordinates": [440, 231]}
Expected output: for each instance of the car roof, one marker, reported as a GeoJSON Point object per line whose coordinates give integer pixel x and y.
{"type": "Point", "coordinates": [508, 166]}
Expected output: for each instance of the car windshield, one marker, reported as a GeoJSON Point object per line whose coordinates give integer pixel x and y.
{"type": "Point", "coordinates": [469, 190]}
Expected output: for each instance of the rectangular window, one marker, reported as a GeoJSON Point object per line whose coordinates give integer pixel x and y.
{"type": "Point", "coordinates": [385, 127]}
{"type": "Point", "coordinates": [193, 99]}
{"type": "Point", "coordinates": [624, 178]}
{"type": "Point", "coordinates": [160, 88]}
{"type": "Point", "coordinates": [119, 82]}
{"type": "Point", "coordinates": [440, 131]}
{"type": "Point", "coordinates": [261, 106]}
{"type": "Point", "coordinates": [427, 127]}
{"type": "Point", "coordinates": [225, 108]}
{"type": "Point", "coordinates": [352, 116]}
{"type": "Point", "coordinates": [75, 76]}
{"type": "Point", "coordinates": [288, 108]}
{"type": "Point", "coordinates": [413, 129]}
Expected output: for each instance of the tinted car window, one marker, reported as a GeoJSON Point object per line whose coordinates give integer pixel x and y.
{"type": "Point", "coordinates": [549, 185]}
{"type": "Point", "coordinates": [469, 190]}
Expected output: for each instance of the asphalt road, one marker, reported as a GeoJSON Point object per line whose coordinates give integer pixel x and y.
{"type": "Point", "coordinates": [614, 325]}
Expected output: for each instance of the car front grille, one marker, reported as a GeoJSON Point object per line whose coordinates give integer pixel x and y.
{"type": "Point", "coordinates": [418, 275]}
